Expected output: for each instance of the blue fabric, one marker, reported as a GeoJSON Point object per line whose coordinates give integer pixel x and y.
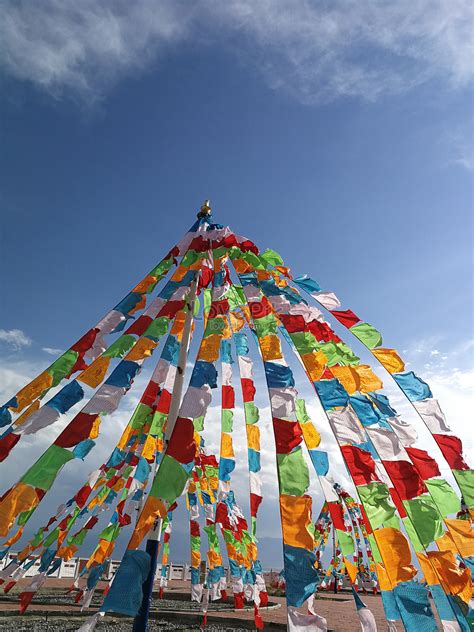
{"type": "Point", "coordinates": [194, 576]}
{"type": "Point", "coordinates": [442, 604]}
{"type": "Point", "coordinates": [226, 352]}
{"type": "Point", "coordinates": [464, 615]}
{"type": "Point", "coordinates": [413, 387]}
{"type": "Point", "coordinates": [383, 404]}
{"type": "Point", "coordinates": [257, 567]}
{"type": "Point", "coordinates": [192, 499]}
{"type": "Point", "coordinates": [128, 303]}
{"type": "Point", "coordinates": [124, 374]}
{"type": "Point", "coordinates": [121, 325]}
{"type": "Point", "coordinates": [219, 278]}
{"type": "Point", "coordinates": [308, 284]}
{"type": "Point", "coordinates": [469, 561]}
{"type": "Point", "coordinates": [30, 563]}
{"type": "Point", "coordinates": [67, 397]}
{"type": "Point", "coordinates": [188, 278]}
{"type": "Point", "coordinates": [278, 375]}
{"type": "Point", "coordinates": [95, 575]}
{"type": "Point", "coordinates": [214, 575]}
{"type": "Point", "coordinates": [248, 576]}
{"type": "Point", "coordinates": [390, 605]}
{"type": "Point", "coordinates": [358, 601]}
{"type": "Point", "coordinates": [204, 373]}
{"type": "Point", "coordinates": [143, 470]}
{"type": "Point", "coordinates": [234, 569]}
{"type": "Point", "coordinates": [292, 296]}
{"type": "Point", "coordinates": [241, 344]}
{"type": "Point", "coordinates": [46, 558]}
{"type": "Point", "coordinates": [254, 460]}
{"type": "Point", "coordinates": [226, 467]}
{"type": "Point", "coordinates": [364, 409]}
{"type": "Point", "coordinates": [368, 446]}
{"type": "Point", "coordinates": [230, 499]}
{"type": "Point", "coordinates": [331, 393]}
{"type": "Point", "coordinates": [300, 575]}
{"type": "Point", "coordinates": [83, 448]}
{"type": "Point", "coordinates": [414, 607]}
{"type": "Point", "coordinates": [188, 467]}
{"type": "Point", "coordinates": [248, 278]}
{"type": "Point", "coordinates": [116, 458]}
{"type": "Point", "coordinates": [171, 350]}
{"type": "Point", "coordinates": [5, 417]}
{"type": "Point", "coordinates": [125, 595]}
{"type": "Point", "coordinates": [270, 288]}
{"type": "Point", "coordinates": [54, 566]}
{"type": "Point", "coordinates": [111, 496]}
{"type": "Point", "coordinates": [320, 461]}
{"type": "Point", "coordinates": [206, 499]}
{"type": "Point", "coordinates": [169, 289]}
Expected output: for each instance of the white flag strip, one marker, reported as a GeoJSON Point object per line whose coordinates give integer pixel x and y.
{"type": "Point", "coordinates": [346, 426]}
{"type": "Point", "coordinates": [405, 432]}
{"type": "Point", "coordinates": [195, 401]}
{"type": "Point", "coordinates": [87, 598]}
{"type": "Point", "coordinates": [161, 371]}
{"type": "Point", "coordinates": [327, 299]}
{"type": "Point", "coordinates": [255, 483]}
{"type": "Point", "coordinates": [298, 622]}
{"type": "Point", "coordinates": [245, 367]}
{"type": "Point", "coordinates": [366, 618]}
{"type": "Point", "coordinates": [309, 312]}
{"type": "Point", "coordinates": [283, 401]}
{"type": "Point", "coordinates": [105, 401]}
{"type": "Point", "coordinates": [237, 584]}
{"type": "Point", "coordinates": [280, 304]}
{"type": "Point", "coordinates": [450, 626]}
{"type": "Point", "coordinates": [432, 415]}
{"type": "Point", "coordinates": [252, 292]}
{"type": "Point", "coordinates": [38, 420]}
{"type": "Point", "coordinates": [387, 444]}
{"type": "Point", "coordinates": [367, 621]}
{"type": "Point", "coordinates": [89, 624]}
{"type": "Point", "coordinates": [196, 592]}
{"type": "Point", "coordinates": [215, 592]}
{"type": "Point", "coordinates": [328, 489]}
{"type": "Point", "coordinates": [226, 374]}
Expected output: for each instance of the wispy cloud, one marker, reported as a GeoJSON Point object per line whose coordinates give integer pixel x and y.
{"type": "Point", "coordinates": [52, 351]}
{"type": "Point", "coordinates": [315, 51]}
{"type": "Point", "coordinates": [461, 147]}
{"type": "Point", "coordinates": [14, 338]}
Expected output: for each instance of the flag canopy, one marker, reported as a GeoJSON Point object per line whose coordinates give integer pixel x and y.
{"type": "Point", "coordinates": [245, 307]}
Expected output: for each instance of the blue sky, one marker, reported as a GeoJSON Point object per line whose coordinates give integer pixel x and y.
{"type": "Point", "coordinates": [340, 135]}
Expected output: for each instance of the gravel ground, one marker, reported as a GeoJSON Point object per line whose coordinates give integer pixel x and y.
{"type": "Point", "coordinates": [39, 624]}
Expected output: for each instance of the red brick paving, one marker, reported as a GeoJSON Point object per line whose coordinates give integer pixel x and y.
{"type": "Point", "coordinates": [339, 610]}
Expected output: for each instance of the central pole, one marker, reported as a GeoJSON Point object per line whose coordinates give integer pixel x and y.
{"type": "Point", "coordinates": [140, 623]}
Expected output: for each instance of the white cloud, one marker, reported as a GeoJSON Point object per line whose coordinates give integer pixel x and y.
{"type": "Point", "coordinates": [52, 351]}
{"type": "Point", "coordinates": [315, 51]}
{"type": "Point", "coordinates": [463, 151]}
{"type": "Point", "coordinates": [15, 338]}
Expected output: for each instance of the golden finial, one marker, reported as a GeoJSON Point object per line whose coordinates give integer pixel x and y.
{"type": "Point", "coordinates": [205, 210]}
